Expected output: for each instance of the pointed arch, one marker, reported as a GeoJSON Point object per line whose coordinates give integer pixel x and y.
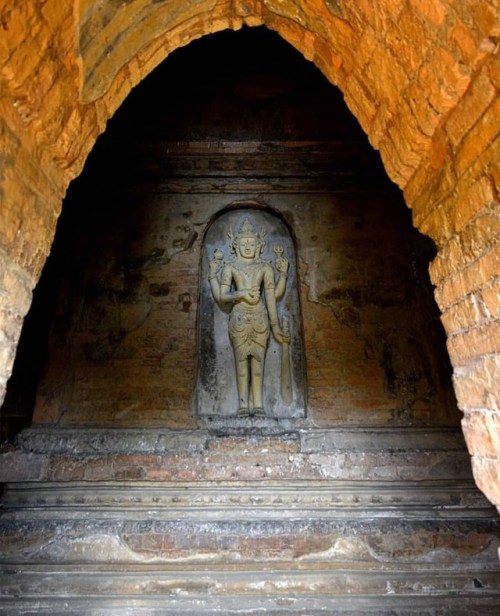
{"type": "Point", "coordinates": [422, 78]}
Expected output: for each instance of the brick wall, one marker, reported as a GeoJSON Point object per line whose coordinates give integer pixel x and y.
{"type": "Point", "coordinates": [421, 77]}
{"type": "Point", "coordinates": [123, 346]}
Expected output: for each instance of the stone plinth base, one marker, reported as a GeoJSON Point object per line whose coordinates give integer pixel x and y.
{"type": "Point", "coordinates": [246, 521]}
{"type": "Point", "coordinates": [240, 452]}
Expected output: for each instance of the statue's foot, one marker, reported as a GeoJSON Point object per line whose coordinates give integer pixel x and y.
{"type": "Point", "coordinates": [258, 411]}
{"type": "Point", "coordinates": [243, 412]}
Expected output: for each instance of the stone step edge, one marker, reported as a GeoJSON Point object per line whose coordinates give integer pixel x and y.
{"type": "Point", "coordinates": [257, 604]}
{"type": "Point", "coordinates": [246, 513]}
{"type": "Point", "coordinates": [46, 583]}
{"type": "Point", "coordinates": [221, 515]}
{"type": "Point", "coordinates": [323, 485]}
{"type": "Point", "coordinates": [247, 568]}
{"type": "Point", "coordinates": [283, 488]}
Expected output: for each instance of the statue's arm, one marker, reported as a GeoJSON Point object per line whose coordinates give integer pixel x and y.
{"type": "Point", "coordinates": [281, 286]}
{"type": "Point", "coordinates": [221, 289]}
{"type": "Point", "coordinates": [214, 267]}
{"type": "Point", "coordinates": [282, 266]}
{"type": "Point", "coordinates": [225, 286]}
{"type": "Point", "coordinates": [215, 286]}
{"type": "Point", "coordinates": [270, 291]}
{"type": "Point", "coordinates": [226, 295]}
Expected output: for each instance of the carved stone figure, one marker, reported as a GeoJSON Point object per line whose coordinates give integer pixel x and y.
{"type": "Point", "coordinates": [248, 286]}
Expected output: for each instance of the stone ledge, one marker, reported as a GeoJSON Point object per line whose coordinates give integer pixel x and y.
{"type": "Point", "coordinates": [240, 500]}
{"type": "Point", "coordinates": [101, 441]}
{"type": "Point", "coordinates": [283, 466]}
{"type": "Point", "coordinates": [350, 454]}
{"type": "Point", "coordinates": [21, 466]}
{"type": "Point", "coordinates": [382, 439]}
{"type": "Point", "coordinates": [239, 435]}
{"type": "Point", "coordinates": [308, 542]}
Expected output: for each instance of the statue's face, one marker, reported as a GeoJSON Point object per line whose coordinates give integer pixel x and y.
{"type": "Point", "coordinates": [247, 247]}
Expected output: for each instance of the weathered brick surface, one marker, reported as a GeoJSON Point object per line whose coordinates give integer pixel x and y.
{"type": "Point", "coordinates": [448, 75]}
{"type": "Point", "coordinates": [473, 277]}
{"type": "Point", "coordinates": [474, 343]}
{"type": "Point", "coordinates": [15, 298]}
{"type": "Point", "coordinates": [490, 299]}
{"type": "Point", "coordinates": [479, 200]}
{"type": "Point", "coordinates": [486, 473]}
{"type": "Point", "coordinates": [475, 383]}
{"type": "Point", "coordinates": [240, 466]}
{"type": "Point", "coordinates": [475, 102]}
{"type": "Point", "coordinates": [487, 425]}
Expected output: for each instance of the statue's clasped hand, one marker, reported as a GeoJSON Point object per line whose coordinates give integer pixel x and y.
{"type": "Point", "coordinates": [250, 296]}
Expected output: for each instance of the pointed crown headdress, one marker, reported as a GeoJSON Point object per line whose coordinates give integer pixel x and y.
{"type": "Point", "coordinates": [247, 230]}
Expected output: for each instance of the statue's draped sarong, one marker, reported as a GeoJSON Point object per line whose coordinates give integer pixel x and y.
{"type": "Point", "coordinates": [249, 330]}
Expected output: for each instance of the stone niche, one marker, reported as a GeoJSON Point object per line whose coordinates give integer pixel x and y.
{"type": "Point", "coordinates": [217, 393]}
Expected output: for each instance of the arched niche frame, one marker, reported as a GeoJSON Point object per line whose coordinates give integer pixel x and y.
{"type": "Point", "coordinates": [284, 396]}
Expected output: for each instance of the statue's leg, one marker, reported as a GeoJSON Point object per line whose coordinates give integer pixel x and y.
{"type": "Point", "coordinates": [257, 371]}
{"type": "Point", "coordinates": [242, 381]}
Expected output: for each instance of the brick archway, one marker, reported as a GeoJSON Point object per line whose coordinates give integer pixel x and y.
{"type": "Point", "coordinates": [421, 77]}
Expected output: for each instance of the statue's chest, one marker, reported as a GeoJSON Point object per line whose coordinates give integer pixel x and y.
{"type": "Point", "coordinates": [248, 275]}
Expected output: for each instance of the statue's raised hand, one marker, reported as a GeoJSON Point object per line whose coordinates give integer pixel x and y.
{"type": "Point", "coordinates": [281, 263]}
{"type": "Point", "coordinates": [215, 264]}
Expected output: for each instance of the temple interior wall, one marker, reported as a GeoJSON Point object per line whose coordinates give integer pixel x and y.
{"type": "Point", "coordinates": [127, 258]}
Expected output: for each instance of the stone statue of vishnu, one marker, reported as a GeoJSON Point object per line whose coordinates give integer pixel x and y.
{"type": "Point", "coordinates": [247, 284]}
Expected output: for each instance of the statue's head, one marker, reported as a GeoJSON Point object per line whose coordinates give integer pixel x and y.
{"type": "Point", "coordinates": [248, 243]}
